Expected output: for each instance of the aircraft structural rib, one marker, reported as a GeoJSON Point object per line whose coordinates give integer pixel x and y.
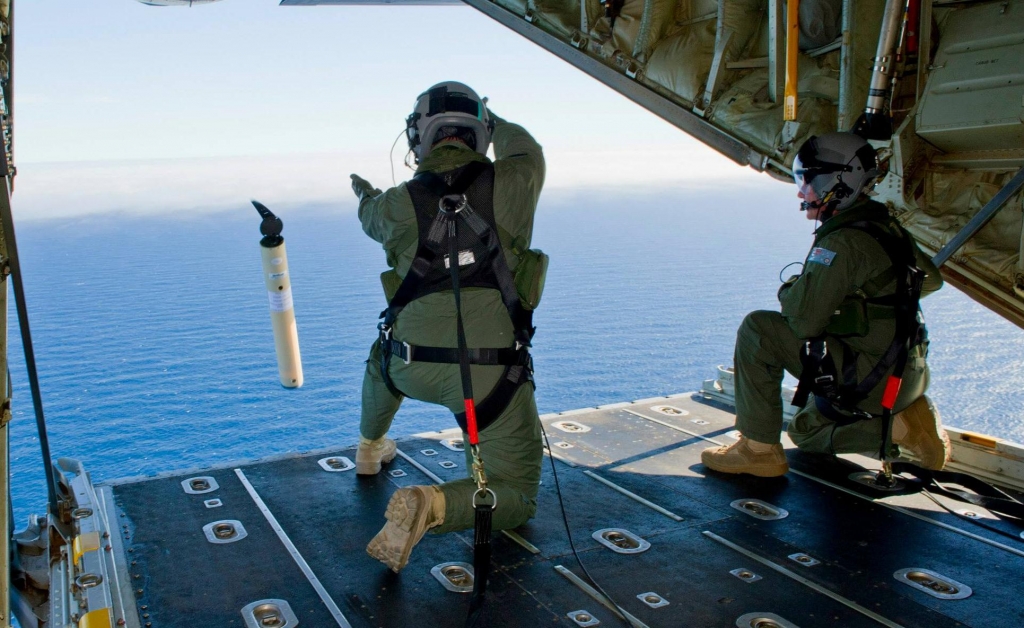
{"type": "Point", "coordinates": [953, 92]}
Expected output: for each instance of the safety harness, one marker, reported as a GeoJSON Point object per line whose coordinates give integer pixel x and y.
{"type": "Point", "coordinates": [836, 395]}
{"type": "Point", "coordinates": [458, 211]}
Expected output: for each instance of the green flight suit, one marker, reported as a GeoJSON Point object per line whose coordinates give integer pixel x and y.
{"type": "Point", "coordinates": [844, 267]}
{"type": "Point", "coordinates": [511, 446]}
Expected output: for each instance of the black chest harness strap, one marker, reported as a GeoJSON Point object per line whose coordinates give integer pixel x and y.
{"type": "Point", "coordinates": [470, 235]}
{"type": "Point", "coordinates": [838, 398]}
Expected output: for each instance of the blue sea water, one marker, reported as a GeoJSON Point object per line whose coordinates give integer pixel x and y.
{"type": "Point", "coordinates": [155, 353]}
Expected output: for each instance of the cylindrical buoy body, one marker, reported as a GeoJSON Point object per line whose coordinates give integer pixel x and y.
{"type": "Point", "coordinates": [282, 314]}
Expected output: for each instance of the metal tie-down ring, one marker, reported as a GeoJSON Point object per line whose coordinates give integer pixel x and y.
{"type": "Point", "coordinates": [485, 491]}
{"type": "Point", "coordinates": [452, 203]}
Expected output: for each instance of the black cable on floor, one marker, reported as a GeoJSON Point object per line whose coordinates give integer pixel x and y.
{"type": "Point", "coordinates": [973, 520]}
{"type": "Point", "coordinates": [568, 533]}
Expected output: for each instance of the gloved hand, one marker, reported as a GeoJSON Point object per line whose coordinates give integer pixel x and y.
{"type": "Point", "coordinates": [363, 189]}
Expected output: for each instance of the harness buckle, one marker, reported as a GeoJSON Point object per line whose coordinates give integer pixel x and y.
{"type": "Point", "coordinates": [385, 331]}
{"type": "Point", "coordinates": [408, 352]}
{"type": "Point", "coordinates": [811, 349]}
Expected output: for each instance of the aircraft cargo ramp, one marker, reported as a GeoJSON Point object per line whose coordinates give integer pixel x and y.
{"type": "Point", "coordinates": [673, 544]}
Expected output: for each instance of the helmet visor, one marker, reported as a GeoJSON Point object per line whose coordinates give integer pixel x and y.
{"type": "Point", "coordinates": [804, 175]}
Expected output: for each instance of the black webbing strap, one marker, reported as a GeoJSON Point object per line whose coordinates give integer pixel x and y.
{"type": "Point", "coordinates": [907, 298]}
{"type": "Point", "coordinates": [481, 560]}
{"type": "Point", "coordinates": [436, 183]}
{"type": "Point", "coordinates": [426, 253]}
{"type": "Point", "coordinates": [516, 359]}
{"type": "Point", "coordinates": [522, 319]}
{"type": "Point", "coordinates": [453, 267]}
{"type": "Point", "coordinates": [909, 281]}
{"type": "Point", "coordinates": [832, 400]}
{"type": "Point", "coordinates": [492, 405]}
{"type": "Point", "coordinates": [505, 356]}
{"type": "Point", "coordinates": [482, 520]}
{"type": "Point", "coordinates": [428, 250]}
{"type": "Point", "coordinates": [979, 493]}
{"type": "Point", "coordinates": [495, 403]}
{"type": "Point", "coordinates": [385, 362]}
{"type": "Point", "coordinates": [817, 370]}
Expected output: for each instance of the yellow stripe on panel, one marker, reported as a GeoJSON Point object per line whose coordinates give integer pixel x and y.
{"type": "Point", "coordinates": [99, 618]}
{"type": "Point", "coordinates": [88, 542]}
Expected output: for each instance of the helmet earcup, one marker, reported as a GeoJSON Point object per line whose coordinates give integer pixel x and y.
{"type": "Point", "coordinates": [842, 191]}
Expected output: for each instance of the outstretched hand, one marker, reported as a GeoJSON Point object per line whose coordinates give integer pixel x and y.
{"type": "Point", "coordinates": [363, 188]}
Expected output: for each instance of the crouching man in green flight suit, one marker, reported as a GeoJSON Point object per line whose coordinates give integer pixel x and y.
{"type": "Point", "coordinates": [417, 353]}
{"type": "Point", "coordinates": [843, 304]}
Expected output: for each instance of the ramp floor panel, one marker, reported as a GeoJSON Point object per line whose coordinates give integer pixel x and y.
{"type": "Point", "coordinates": [629, 466]}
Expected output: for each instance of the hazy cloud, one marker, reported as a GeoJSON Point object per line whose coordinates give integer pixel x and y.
{"type": "Point", "coordinates": [54, 190]}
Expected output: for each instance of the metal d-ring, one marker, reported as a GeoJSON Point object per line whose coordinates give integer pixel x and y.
{"type": "Point", "coordinates": [484, 491]}
{"type": "Point", "coordinates": [461, 205]}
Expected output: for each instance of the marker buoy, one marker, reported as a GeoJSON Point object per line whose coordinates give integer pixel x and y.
{"type": "Point", "coordinates": [279, 291]}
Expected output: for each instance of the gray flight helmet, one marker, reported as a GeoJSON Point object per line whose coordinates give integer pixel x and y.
{"type": "Point", "coordinates": [838, 167]}
{"type": "Point", "coordinates": [444, 106]}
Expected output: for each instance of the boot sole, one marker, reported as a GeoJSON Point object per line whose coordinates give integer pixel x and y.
{"type": "Point", "coordinates": [403, 518]}
{"type": "Point", "coordinates": [761, 471]}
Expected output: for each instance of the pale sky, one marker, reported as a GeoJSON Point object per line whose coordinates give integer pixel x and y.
{"type": "Point", "coordinates": [123, 106]}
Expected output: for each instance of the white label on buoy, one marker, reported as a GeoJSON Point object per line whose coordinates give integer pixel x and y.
{"type": "Point", "coordinates": [277, 261]}
{"type": "Point", "coordinates": [278, 275]}
{"type": "Point", "coordinates": [280, 301]}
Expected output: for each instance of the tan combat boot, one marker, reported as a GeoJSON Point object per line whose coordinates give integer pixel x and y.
{"type": "Point", "coordinates": [747, 456]}
{"type": "Point", "coordinates": [918, 430]}
{"type": "Point", "coordinates": [371, 453]}
{"type": "Point", "coordinates": [411, 512]}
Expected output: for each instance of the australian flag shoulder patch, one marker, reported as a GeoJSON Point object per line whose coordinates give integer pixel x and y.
{"type": "Point", "coordinates": [821, 256]}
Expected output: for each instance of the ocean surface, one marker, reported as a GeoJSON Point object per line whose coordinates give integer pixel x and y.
{"type": "Point", "coordinates": [155, 352]}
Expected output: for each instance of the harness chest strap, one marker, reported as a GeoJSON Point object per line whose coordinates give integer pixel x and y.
{"type": "Point", "coordinates": [433, 271]}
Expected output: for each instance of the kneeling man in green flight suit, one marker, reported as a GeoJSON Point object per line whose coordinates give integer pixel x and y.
{"type": "Point", "coordinates": [843, 306]}
{"type": "Point", "coordinates": [460, 208]}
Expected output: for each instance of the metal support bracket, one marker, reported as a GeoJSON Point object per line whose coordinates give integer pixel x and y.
{"type": "Point", "coordinates": [776, 51]}
{"type": "Point", "coordinates": [716, 65]}
{"type": "Point", "coordinates": [672, 112]}
{"type": "Point", "coordinates": [980, 219]}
